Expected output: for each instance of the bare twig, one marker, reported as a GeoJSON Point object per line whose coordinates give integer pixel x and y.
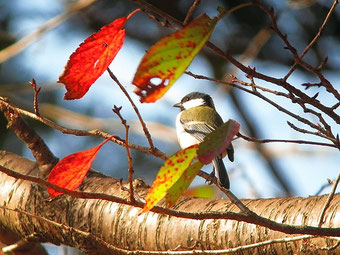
{"type": "Point", "coordinates": [317, 36]}
{"type": "Point", "coordinates": [236, 201]}
{"type": "Point", "coordinates": [327, 184]}
{"type": "Point", "coordinates": [36, 92]}
{"type": "Point", "coordinates": [330, 197]}
{"type": "Point", "coordinates": [336, 105]}
{"type": "Point", "coordinates": [155, 152]}
{"type": "Point", "coordinates": [280, 82]}
{"type": "Point", "coordinates": [145, 129]}
{"type": "Point", "coordinates": [285, 141]}
{"type": "Point", "coordinates": [237, 7]}
{"type": "Point", "coordinates": [116, 110]}
{"type": "Point", "coordinates": [191, 10]}
{"type": "Point", "coordinates": [321, 132]}
{"type": "Point", "coordinates": [20, 45]}
{"type": "Point", "coordinates": [254, 86]}
{"type": "Point", "coordinates": [329, 87]}
{"type": "Point", "coordinates": [316, 133]}
{"type": "Point", "coordinates": [249, 71]}
{"type": "Point", "coordinates": [327, 128]}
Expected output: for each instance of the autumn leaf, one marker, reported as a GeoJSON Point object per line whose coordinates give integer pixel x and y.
{"type": "Point", "coordinates": [166, 60]}
{"type": "Point", "coordinates": [217, 141]}
{"type": "Point", "coordinates": [92, 58]}
{"type": "Point", "coordinates": [182, 184]}
{"type": "Point", "coordinates": [70, 172]}
{"type": "Point", "coordinates": [169, 174]}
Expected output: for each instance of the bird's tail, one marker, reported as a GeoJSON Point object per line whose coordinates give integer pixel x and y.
{"type": "Point", "coordinates": [221, 172]}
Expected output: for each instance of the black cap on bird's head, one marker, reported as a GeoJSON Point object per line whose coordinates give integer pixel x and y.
{"type": "Point", "coordinates": [195, 99]}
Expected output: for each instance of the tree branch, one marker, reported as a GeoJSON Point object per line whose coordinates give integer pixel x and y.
{"type": "Point", "coordinates": [34, 142]}
{"type": "Point", "coordinates": [155, 152]}
{"type": "Point", "coordinates": [194, 213]}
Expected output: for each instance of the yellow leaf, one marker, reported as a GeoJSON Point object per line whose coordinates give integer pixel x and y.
{"type": "Point", "coordinates": [169, 174]}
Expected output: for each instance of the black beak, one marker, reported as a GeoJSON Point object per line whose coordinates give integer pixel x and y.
{"type": "Point", "coordinates": [179, 105]}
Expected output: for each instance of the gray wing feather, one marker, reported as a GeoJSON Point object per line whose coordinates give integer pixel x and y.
{"type": "Point", "coordinates": [199, 130]}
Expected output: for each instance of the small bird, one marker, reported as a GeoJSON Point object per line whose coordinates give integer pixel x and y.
{"type": "Point", "coordinates": [198, 118]}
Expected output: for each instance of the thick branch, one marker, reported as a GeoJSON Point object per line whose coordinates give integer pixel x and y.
{"type": "Point", "coordinates": [111, 227]}
{"type": "Point", "coordinates": [40, 151]}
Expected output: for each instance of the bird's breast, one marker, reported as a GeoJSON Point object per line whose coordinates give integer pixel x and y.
{"type": "Point", "coordinates": [185, 139]}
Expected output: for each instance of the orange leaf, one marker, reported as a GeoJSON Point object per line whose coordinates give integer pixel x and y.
{"type": "Point", "coordinates": [92, 58]}
{"type": "Point", "coordinates": [166, 60]}
{"type": "Point", "coordinates": [70, 172]}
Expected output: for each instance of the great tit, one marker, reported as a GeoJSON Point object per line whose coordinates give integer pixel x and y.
{"type": "Point", "coordinates": [198, 118]}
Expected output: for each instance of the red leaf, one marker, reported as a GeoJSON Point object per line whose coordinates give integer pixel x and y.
{"type": "Point", "coordinates": [92, 58]}
{"type": "Point", "coordinates": [217, 141]}
{"type": "Point", "coordinates": [70, 172]}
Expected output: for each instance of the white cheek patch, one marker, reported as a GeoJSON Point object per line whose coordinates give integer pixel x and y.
{"type": "Point", "coordinates": [193, 103]}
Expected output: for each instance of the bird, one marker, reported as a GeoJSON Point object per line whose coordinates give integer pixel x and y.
{"type": "Point", "coordinates": [196, 119]}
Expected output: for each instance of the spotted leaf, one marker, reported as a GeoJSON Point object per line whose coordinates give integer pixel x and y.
{"type": "Point", "coordinates": [217, 141]}
{"type": "Point", "coordinates": [169, 174]}
{"type": "Point", "coordinates": [166, 60]}
{"type": "Point", "coordinates": [182, 184]}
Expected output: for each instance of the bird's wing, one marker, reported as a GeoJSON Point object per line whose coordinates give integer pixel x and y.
{"type": "Point", "coordinates": [199, 130]}
{"type": "Point", "coordinates": [198, 127]}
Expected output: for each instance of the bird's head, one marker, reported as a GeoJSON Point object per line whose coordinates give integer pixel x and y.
{"type": "Point", "coordinates": [195, 99]}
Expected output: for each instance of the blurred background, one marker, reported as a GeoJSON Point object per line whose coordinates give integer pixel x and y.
{"type": "Point", "coordinates": [259, 171]}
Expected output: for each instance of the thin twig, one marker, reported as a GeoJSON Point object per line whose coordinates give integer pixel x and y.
{"type": "Point", "coordinates": [328, 202]}
{"type": "Point", "coordinates": [316, 133]}
{"type": "Point", "coordinates": [329, 183]}
{"type": "Point", "coordinates": [191, 10]}
{"type": "Point", "coordinates": [247, 70]}
{"type": "Point", "coordinates": [116, 110]}
{"type": "Point", "coordinates": [329, 87]}
{"type": "Point", "coordinates": [234, 79]}
{"type": "Point", "coordinates": [327, 127]}
{"type": "Point", "coordinates": [20, 45]}
{"type": "Point", "coordinates": [237, 7]}
{"type": "Point", "coordinates": [236, 201]}
{"type": "Point", "coordinates": [145, 129]}
{"type": "Point", "coordinates": [316, 37]}
{"type": "Point", "coordinates": [36, 92]}
{"type": "Point", "coordinates": [280, 108]}
{"type": "Point", "coordinates": [95, 132]}
{"type": "Point", "coordinates": [284, 141]}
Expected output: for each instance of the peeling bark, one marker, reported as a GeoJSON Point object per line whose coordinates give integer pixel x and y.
{"type": "Point", "coordinates": [102, 227]}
